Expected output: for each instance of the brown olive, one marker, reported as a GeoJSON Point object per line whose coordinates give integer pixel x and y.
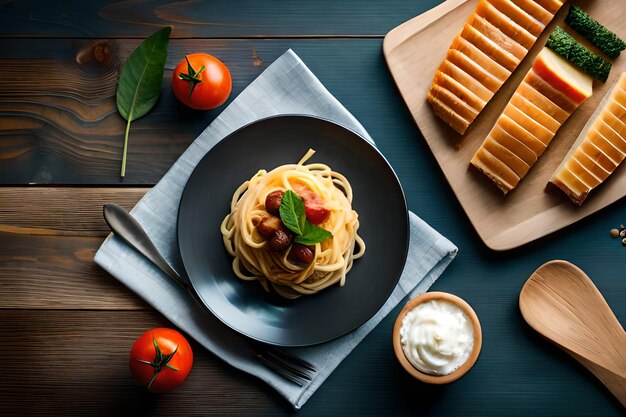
{"type": "Point", "coordinates": [268, 226]}
{"type": "Point", "coordinates": [302, 253]}
{"type": "Point", "coordinates": [280, 240]}
{"type": "Point", "coordinates": [272, 202]}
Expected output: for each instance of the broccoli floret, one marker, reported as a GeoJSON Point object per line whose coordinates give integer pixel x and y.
{"type": "Point", "coordinates": [594, 32]}
{"type": "Point", "coordinates": [569, 48]}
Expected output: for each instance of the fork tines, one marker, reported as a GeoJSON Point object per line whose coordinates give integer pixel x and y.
{"type": "Point", "coordinates": [290, 367]}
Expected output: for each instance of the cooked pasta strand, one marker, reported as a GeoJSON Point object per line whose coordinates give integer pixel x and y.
{"type": "Point", "coordinates": [332, 258]}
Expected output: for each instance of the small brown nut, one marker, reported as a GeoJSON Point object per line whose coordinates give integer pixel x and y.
{"type": "Point", "coordinates": [302, 253]}
{"type": "Point", "coordinates": [280, 240]}
{"type": "Point", "coordinates": [615, 233]}
{"type": "Point", "coordinates": [268, 226]}
{"type": "Point", "coordinates": [272, 202]}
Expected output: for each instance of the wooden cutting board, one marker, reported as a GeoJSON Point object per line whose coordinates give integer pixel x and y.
{"type": "Point", "coordinates": [414, 51]}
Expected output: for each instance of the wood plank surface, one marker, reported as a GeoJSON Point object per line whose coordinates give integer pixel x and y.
{"type": "Point", "coordinates": [205, 18]}
{"type": "Point", "coordinates": [67, 211]}
{"type": "Point", "coordinates": [74, 363]}
{"type": "Point", "coordinates": [48, 238]}
{"type": "Point", "coordinates": [67, 326]}
{"type": "Point", "coordinates": [60, 126]}
{"type": "Point", "coordinates": [78, 365]}
{"type": "Point", "coordinates": [55, 272]}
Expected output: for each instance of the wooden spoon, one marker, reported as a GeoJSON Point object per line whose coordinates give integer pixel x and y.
{"type": "Point", "coordinates": [561, 303]}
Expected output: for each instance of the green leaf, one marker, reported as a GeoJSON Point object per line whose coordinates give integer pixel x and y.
{"type": "Point", "coordinates": [312, 234]}
{"type": "Point", "coordinates": [292, 212]}
{"type": "Point", "coordinates": [140, 82]}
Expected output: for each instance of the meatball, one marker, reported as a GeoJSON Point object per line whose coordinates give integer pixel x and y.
{"type": "Point", "coordinates": [272, 202]}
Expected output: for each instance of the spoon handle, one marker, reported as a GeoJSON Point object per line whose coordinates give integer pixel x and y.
{"type": "Point", "coordinates": [562, 303]}
{"type": "Point", "coordinates": [615, 382]}
{"type": "Point", "coordinates": [130, 231]}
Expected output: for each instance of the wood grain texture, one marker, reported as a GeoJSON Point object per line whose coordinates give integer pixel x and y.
{"type": "Point", "coordinates": [58, 273]}
{"type": "Point", "coordinates": [529, 212]}
{"type": "Point", "coordinates": [53, 351]}
{"type": "Point", "coordinates": [36, 380]}
{"type": "Point", "coordinates": [76, 363]}
{"type": "Point", "coordinates": [63, 127]}
{"type": "Point", "coordinates": [62, 211]}
{"type": "Point", "coordinates": [205, 18]}
{"type": "Point", "coordinates": [66, 116]}
{"type": "Point", "coordinates": [560, 302]}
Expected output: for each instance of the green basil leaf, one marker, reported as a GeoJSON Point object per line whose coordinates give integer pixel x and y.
{"type": "Point", "coordinates": [140, 82]}
{"type": "Point", "coordinates": [292, 212]}
{"type": "Point", "coordinates": [302, 216]}
{"type": "Point", "coordinates": [312, 234]}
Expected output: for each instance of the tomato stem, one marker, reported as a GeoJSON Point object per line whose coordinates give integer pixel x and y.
{"type": "Point", "coordinates": [192, 76]}
{"type": "Point", "coordinates": [156, 373]}
{"type": "Point", "coordinates": [159, 362]}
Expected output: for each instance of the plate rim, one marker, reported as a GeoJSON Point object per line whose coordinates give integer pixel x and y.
{"type": "Point", "coordinates": [397, 182]}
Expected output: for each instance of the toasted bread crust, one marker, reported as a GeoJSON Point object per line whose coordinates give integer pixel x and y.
{"type": "Point", "coordinates": [446, 114]}
{"type": "Point", "coordinates": [577, 199]}
{"type": "Point", "coordinates": [503, 186]}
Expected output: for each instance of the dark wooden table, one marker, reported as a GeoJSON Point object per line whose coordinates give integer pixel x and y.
{"type": "Point", "coordinates": [66, 327]}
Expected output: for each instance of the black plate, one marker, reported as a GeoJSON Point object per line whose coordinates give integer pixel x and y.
{"type": "Point", "coordinates": [245, 306]}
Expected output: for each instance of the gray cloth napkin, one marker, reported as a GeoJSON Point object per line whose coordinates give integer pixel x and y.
{"type": "Point", "coordinates": [287, 86]}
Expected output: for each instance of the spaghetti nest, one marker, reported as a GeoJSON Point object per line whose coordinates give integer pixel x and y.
{"type": "Point", "coordinates": [333, 257]}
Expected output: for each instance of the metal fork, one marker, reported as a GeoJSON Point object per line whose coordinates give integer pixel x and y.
{"type": "Point", "coordinates": [290, 367]}
{"type": "Point", "coordinates": [125, 227]}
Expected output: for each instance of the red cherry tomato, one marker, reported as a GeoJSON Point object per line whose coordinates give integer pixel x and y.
{"type": "Point", "coordinates": [161, 359]}
{"type": "Point", "coordinates": [315, 213]}
{"type": "Point", "coordinates": [201, 82]}
{"type": "Point", "coordinates": [314, 208]}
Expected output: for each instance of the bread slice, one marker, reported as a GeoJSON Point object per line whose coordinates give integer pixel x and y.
{"type": "Point", "coordinates": [598, 150]}
{"type": "Point", "coordinates": [558, 87]}
{"type": "Point", "coordinates": [489, 47]}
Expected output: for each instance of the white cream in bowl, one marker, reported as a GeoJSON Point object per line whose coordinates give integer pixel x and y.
{"type": "Point", "coordinates": [437, 337]}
